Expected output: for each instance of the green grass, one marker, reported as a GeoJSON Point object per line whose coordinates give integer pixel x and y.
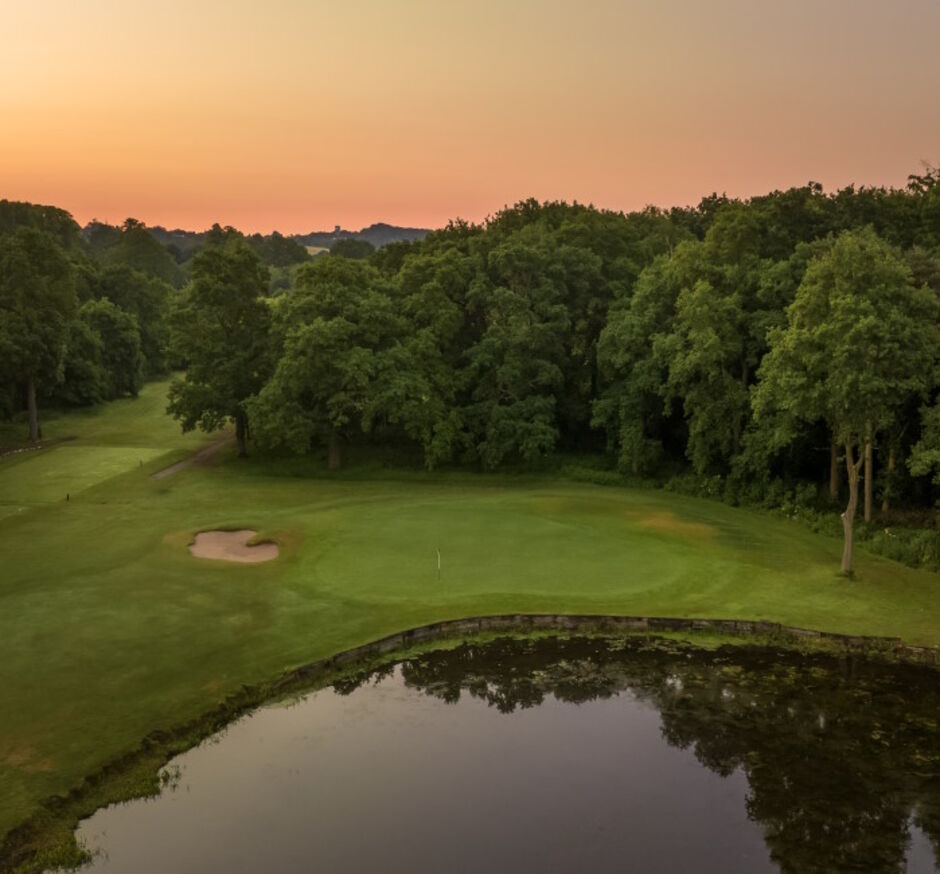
{"type": "Point", "coordinates": [67, 470]}
{"type": "Point", "coordinates": [109, 629]}
{"type": "Point", "coordinates": [139, 421]}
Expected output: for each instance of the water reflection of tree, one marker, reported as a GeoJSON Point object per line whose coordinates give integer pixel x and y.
{"type": "Point", "coordinates": [838, 754]}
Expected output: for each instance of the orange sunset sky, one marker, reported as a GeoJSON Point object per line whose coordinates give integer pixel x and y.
{"type": "Point", "coordinates": [301, 115]}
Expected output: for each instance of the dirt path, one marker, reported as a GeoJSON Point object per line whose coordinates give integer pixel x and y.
{"type": "Point", "coordinates": [197, 458]}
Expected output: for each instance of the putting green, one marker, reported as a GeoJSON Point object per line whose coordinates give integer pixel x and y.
{"type": "Point", "coordinates": [110, 629]}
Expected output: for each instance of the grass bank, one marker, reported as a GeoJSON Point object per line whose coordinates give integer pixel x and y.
{"type": "Point", "coordinates": [110, 630]}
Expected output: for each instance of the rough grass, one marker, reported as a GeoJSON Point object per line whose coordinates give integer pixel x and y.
{"type": "Point", "coordinates": [109, 629]}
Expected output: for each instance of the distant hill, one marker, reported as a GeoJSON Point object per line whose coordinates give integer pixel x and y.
{"type": "Point", "coordinates": [379, 234]}
{"type": "Point", "coordinates": [184, 244]}
{"type": "Point", "coordinates": [164, 253]}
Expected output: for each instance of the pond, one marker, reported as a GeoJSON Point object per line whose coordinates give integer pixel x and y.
{"type": "Point", "coordinates": [560, 754]}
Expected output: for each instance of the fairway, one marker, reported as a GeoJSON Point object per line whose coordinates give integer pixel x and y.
{"type": "Point", "coordinates": [67, 469]}
{"type": "Point", "coordinates": [111, 629]}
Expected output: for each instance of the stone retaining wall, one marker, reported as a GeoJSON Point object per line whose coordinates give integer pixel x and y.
{"type": "Point", "coordinates": [523, 622]}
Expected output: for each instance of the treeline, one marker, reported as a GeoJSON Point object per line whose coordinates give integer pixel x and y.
{"type": "Point", "coordinates": [167, 255]}
{"type": "Point", "coordinates": [787, 338]}
{"type": "Point", "coordinates": [84, 314]}
{"type": "Point", "coordinates": [759, 344]}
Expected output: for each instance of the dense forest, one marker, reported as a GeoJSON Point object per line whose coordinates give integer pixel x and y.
{"type": "Point", "coordinates": [781, 351]}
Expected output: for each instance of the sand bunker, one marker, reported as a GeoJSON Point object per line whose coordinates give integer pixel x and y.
{"type": "Point", "coordinates": [232, 546]}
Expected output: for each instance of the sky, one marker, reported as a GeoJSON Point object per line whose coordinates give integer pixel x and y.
{"type": "Point", "coordinates": [299, 114]}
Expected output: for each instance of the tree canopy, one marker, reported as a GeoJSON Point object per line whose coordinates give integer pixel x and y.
{"type": "Point", "coordinates": [860, 339]}
{"type": "Point", "coordinates": [37, 301]}
{"type": "Point", "coordinates": [220, 325]}
{"type": "Point", "coordinates": [335, 331]}
{"type": "Point", "coordinates": [745, 349]}
{"type": "Point", "coordinates": [349, 247]}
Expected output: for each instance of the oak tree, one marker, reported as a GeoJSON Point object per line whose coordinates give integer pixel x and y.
{"type": "Point", "coordinates": [37, 303]}
{"type": "Point", "coordinates": [860, 339]}
{"type": "Point", "coordinates": [220, 327]}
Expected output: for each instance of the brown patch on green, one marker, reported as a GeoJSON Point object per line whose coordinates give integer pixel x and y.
{"type": "Point", "coordinates": [26, 759]}
{"type": "Point", "coordinates": [550, 504]}
{"type": "Point", "coordinates": [670, 523]}
{"type": "Point", "coordinates": [288, 539]}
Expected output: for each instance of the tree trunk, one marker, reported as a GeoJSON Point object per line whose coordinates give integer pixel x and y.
{"type": "Point", "coordinates": [848, 517]}
{"type": "Point", "coordinates": [869, 471]}
{"type": "Point", "coordinates": [835, 480]}
{"type": "Point", "coordinates": [889, 479]}
{"type": "Point", "coordinates": [241, 434]}
{"type": "Point", "coordinates": [34, 433]}
{"type": "Point", "coordinates": [336, 450]}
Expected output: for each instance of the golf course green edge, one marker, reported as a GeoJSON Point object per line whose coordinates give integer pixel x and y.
{"type": "Point", "coordinates": [47, 838]}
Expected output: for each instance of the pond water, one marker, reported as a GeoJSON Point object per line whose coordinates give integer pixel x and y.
{"type": "Point", "coordinates": [581, 754]}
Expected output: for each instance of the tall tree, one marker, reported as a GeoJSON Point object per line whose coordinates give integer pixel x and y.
{"type": "Point", "coordinates": [220, 327]}
{"type": "Point", "coordinates": [925, 457]}
{"type": "Point", "coordinates": [860, 339]}
{"type": "Point", "coordinates": [424, 394]}
{"type": "Point", "coordinates": [337, 327]}
{"type": "Point", "coordinates": [37, 303]}
{"type": "Point", "coordinates": [146, 298]}
{"type": "Point", "coordinates": [121, 357]}
{"type": "Point", "coordinates": [731, 295]}
{"type": "Point", "coordinates": [138, 249]}
{"type": "Point", "coordinates": [629, 405]}
{"type": "Point", "coordinates": [514, 370]}
{"type": "Point", "coordinates": [84, 378]}
{"type": "Point", "coordinates": [55, 223]}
